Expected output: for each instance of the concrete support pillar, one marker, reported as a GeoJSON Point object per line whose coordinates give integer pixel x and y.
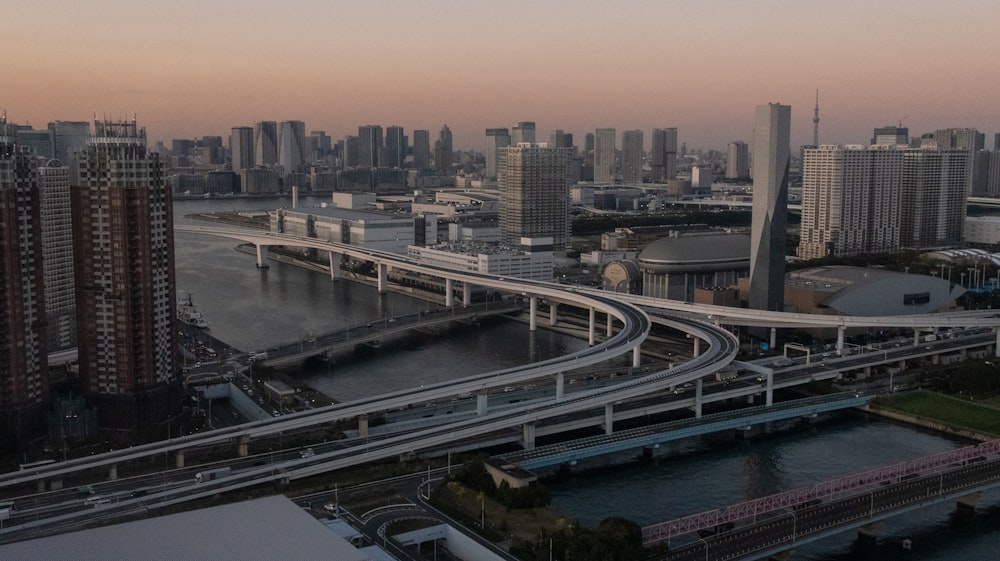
{"type": "Point", "coordinates": [935, 359]}
{"type": "Point", "coordinates": [363, 426]}
{"type": "Point", "coordinates": [774, 336]}
{"type": "Point", "coordinates": [243, 447]}
{"type": "Point", "coordinates": [383, 273]}
{"type": "Point", "coordinates": [697, 347]}
{"type": "Point", "coordinates": [840, 340]}
{"type": "Point", "coordinates": [261, 256]}
{"type": "Point", "coordinates": [533, 313]}
{"type": "Point", "coordinates": [466, 293]}
{"type": "Point", "coordinates": [482, 402]}
{"type": "Point", "coordinates": [611, 326]}
{"type": "Point", "coordinates": [560, 386]}
{"type": "Point", "coordinates": [697, 398]}
{"type": "Point", "coordinates": [609, 418]}
{"type": "Point", "coordinates": [902, 364]}
{"type": "Point", "coordinates": [636, 357]}
{"type": "Point", "coordinates": [448, 287]}
{"type": "Point", "coordinates": [591, 326]}
{"type": "Point", "coordinates": [996, 346]}
{"type": "Point", "coordinates": [40, 486]}
{"type": "Point", "coordinates": [916, 337]}
{"type": "Point", "coordinates": [112, 472]}
{"type": "Point", "coordinates": [553, 313]}
{"type": "Point", "coordinates": [769, 392]}
{"type": "Point", "coordinates": [334, 266]}
{"type": "Point", "coordinates": [529, 436]}
{"type": "Point", "coordinates": [179, 459]}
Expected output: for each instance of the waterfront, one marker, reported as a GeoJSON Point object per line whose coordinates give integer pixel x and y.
{"type": "Point", "coordinates": [251, 309]}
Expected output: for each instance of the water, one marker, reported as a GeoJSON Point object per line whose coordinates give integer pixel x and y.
{"type": "Point", "coordinates": [252, 309]}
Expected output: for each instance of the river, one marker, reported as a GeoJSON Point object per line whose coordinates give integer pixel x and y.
{"type": "Point", "coordinates": [253, 309]}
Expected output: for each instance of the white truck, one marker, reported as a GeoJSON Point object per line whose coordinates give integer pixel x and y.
{"type": "Point", "coordinates": [211, 474]}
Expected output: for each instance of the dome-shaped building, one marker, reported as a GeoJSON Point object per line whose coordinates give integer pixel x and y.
{"type": "Point", "coordinates": [673, 267]}
{"type": "Point", "coordinates": [623, 277]}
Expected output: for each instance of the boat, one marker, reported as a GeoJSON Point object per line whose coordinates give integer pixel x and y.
{"type": "Point", "coordinates": [188, 312]}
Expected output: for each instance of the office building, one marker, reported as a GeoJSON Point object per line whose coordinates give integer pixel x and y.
{"type": "Point", "coordinates": [771, 158]}
{"type": "Point", "coordinates": [395, 147]}
{"type": "Point", "coordinates": [68, 138]}
{"type": "Point", "coordinates": [422, 149]}
{"type": "Point", "coordinates": [292, 146]}
{"type": "Point", "coordinates": [964, 139]}
{"type": "Point", "coordinates": [24, 384]}
{"type": "Point", "coordinates": [737, 160]}
{"type": "Point", "coordinates": [604, 156]}
{"type": "Point", "coordinates": [320, 146]}
{"type": "Point", "coordinates": [369, 142]}
{"type": "Point", "coordinates": [891, 136]}
{"type": "Point", "coordinates": [352, 149]}
{"type": "Point", "coordinates": [560, 139]}
{"type": "Point", "coordinates": [241, 148]}
{"type": "Point", "coordinates": [632, 153]}
{"type": "Point", "coordinates": [123, 250]}
{"type": "Point", "coordinates": [443, 152]}
{"type": "Point", "coordinates": [57, 247]}
{"type": "Point", "coordinates": [265, 143]}
{"type": "Point", "coordinates": [534, 195]}
{"type": "Point", "coordinates": [701, 178]}
{"type": "Point", "coordinates": [663, 155]}
{"type": "Point", "coordinates": [496, 139]}
{"type": "Point", "coordinates": [523, 132]}
{"type": "Point", "coordinates": [39, 142]}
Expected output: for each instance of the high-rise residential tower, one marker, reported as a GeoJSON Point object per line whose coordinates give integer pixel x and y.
{"type": "Point", "coordinates": [771, 158]}
{"type": "Point", "coordinates": [265, 143]}
{"type": "Point", "coordinates": [496, 140]}
{"type": "Point", "coordinates": [68, 138]}
{"type": "Point", "coordinates": [422, 149]}
{"type": "Point", "coordinates": [632, 152]}
{"type": "Point", "coordinates": [57, 247]}
{"type": "Point", "coordinates": [534, 194]}
{"type": "Point", "coordinates": [523, 132]}
{"type": "Point", "coordinates": [604, 156]}
{"type": "Point", "coordinates": [292, 146]}
{"type": "Point", "coordinates": [737, 160]}
{"type": "Point", "coordinates": [663, 155]}
{"type": "Point", "coordinates": [124, 267]}
{"type": "Point", "coordinates": [24, 384]}
{"type": "Point", "coordinates": [241, 148]}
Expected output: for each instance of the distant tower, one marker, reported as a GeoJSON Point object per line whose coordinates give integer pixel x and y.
{"type": "Point", "coordinates": [771, 156]}
{"type": "Point", "coordinates": [816, 121]}
{"type": "Point", "coordinates": [496, 139]}
{"type": "Point", "coordinates": [632, 152]}
{"type": "Point", "coordinates": [422, 149]}
{"type": "Point", "coordinates": [265, 143]}
{"type": "Point", "coordinates": [292, 145]}
{"type": "Point", "coordinates": [523, 132]}
{"type": "Point", "coordinates": [241, 148]}
{"type": "Point", "coordinates": [663, 155]}
{"type": "Point", "coordinates": [604, 156]}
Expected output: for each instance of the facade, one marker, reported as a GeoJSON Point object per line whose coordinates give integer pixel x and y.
{"type": "Point", "coordinates": [68, 138]}
{"type": "Point", "coordinates": [395, 147]}
{"type": "Point", "coordinates": [488, 259]}
{"type": "Point", "coordinates": [241, 148]}
{"type": "Point", "coordinates": [963, 139]}
{"type": "Point", "coordinates": [292, 146]}
{"type": "Point", "coordinates": [422, 149]}
{"type": "Point", "coordinates": [663, 155]}
{"type": "Point", "coordinates": [383, 232]}
{"type": "Point", "coordinates": [523, 132]}
{"type": "Point", "coordinates": [604, 156]}
{"type": "Point", "coordinates": [259, 180]}
{"type": "Point", "coordinates": [124, 271]}
{"type": "Point", "coordinates": [737, 160]}
{"type": "Point", "coordinates": [369, 142]}
{"type": "Point", "coordinates": [771, 159]}
{"type": "Point", "coordinates": [39, 142]}
{"type": "Point", "coordinates": [352, 149]}
{"type": "Point", "coordinates": [57, 247]}
{"type": "Point", "coordinates": [935, 185]}
{"type": "Point", "coordinates": [632, 153]}
{"type": "Point", "coordinates": [443, 152]}
{"type": "Point", "coordinates": [891, 136]}
{"type": "Point", "coordinates": [265, 143]}
{"type": "Point", "coordinates": [24, 384]}
{"type": "Point", "coordinates": [496, 139]}
{"type": "Point", "coordinates": [674, 267]}
{"type": "Point", "coordinates": [534, 195]}
{"type": "Point", "coordinates": [701, 177]}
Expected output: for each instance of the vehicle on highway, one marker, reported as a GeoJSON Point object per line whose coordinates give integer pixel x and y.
{"type": "Point", "coordinates": [96, 501]}
{"type": "Point", "coordinates": [211, 474]}
{"type": "Point", "coordinates": [307, 453]}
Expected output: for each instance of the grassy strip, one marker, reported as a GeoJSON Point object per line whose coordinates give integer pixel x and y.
{"type": "Point", "coordinates": [951, 411]}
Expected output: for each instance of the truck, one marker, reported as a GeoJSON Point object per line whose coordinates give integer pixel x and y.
{"type": "Point", "coordinates": [257, 357]}
{"type": "Point", "coordinates": [726, 374]}
{"type": "Point", "coordinates": [211, 474]}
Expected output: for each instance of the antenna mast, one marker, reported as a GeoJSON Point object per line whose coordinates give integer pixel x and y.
{"type": "Point", "coordinates": [816, 121]}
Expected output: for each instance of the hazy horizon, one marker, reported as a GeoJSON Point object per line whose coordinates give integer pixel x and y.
{"type": "Point", "coordinates": [191, 69]}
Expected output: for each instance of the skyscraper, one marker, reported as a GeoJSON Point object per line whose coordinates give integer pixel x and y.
{"type": "Point", "coordinates": [369, 142]}
{"type": "Point", "coordinates": [320, 145]}
{"type": "Point", "coordinates": [351, 150]}
{"type": "Point", "coordinates": [965, 139]}
{"type": "Point", "coordinates": [241, 148]}
{"type": "Point", "coordinates": [496, 140]}
{"type": "Point", "coordinates": [737, 160]}
{"type": "Point", "coordinates": [68, 138]}
{"type": "Point", "coordinates": [265, 143]}
{"type": "Point", "coordinates": [23, 352]}
{"type": "Point", "coordinates": [663, 155]}
{"type": "Point", "coordinates": [39, 142]}
{"type": "Point", "coordinates": [443, 152]}
{"type": "Point", "coordinates": [395, 147]}
{"type": "Point", "coordinates": [422, 149]}
{"type": "Point", "coordinates": [604, 156]}
{"type": "Point", "coordinates": [292, 146]}
{"type": "Point", "coordinates": [632, 152]}
{"type": "Point", "coordinates": [534, 194]}
{"type": "Point", "coordinates": [523, 132]}
{"type": "Point", "coordinates": [124, 267]}
{"type": "Point", "coordinates": [891, 136]}
{"type": "Point", "coordinates": [771, 158]}
{"type": "Point", "coordinates": [935, 186]}
{"type": "Point", "coordinates": [57, 247]}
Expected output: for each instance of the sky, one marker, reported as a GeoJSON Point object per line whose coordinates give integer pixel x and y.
{"type": "Point", "coordinates": [190, 68]}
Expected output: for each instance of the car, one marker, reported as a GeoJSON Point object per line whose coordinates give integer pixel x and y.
{"type": "Point", "coordinates": [307, 453]}
{"type": "Point", "coordinates": [330, 507]}
{"type": "Point", "coordinates": [687, 384]}
{"type": "Point", "coordinates": [508, 389]}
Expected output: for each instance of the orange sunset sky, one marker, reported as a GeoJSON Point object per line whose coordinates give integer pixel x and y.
{"type": "Point", "coordinates": [192, 68]}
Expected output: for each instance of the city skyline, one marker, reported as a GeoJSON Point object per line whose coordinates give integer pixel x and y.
{"type": "Point", "coordinates": [189, 76]}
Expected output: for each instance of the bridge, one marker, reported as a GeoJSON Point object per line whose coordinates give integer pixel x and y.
{"type": "Point", "coordinates": [769, 525]}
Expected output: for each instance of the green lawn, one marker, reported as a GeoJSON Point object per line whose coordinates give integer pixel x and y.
{"type": "Point", "coordinates": [951, 411]}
